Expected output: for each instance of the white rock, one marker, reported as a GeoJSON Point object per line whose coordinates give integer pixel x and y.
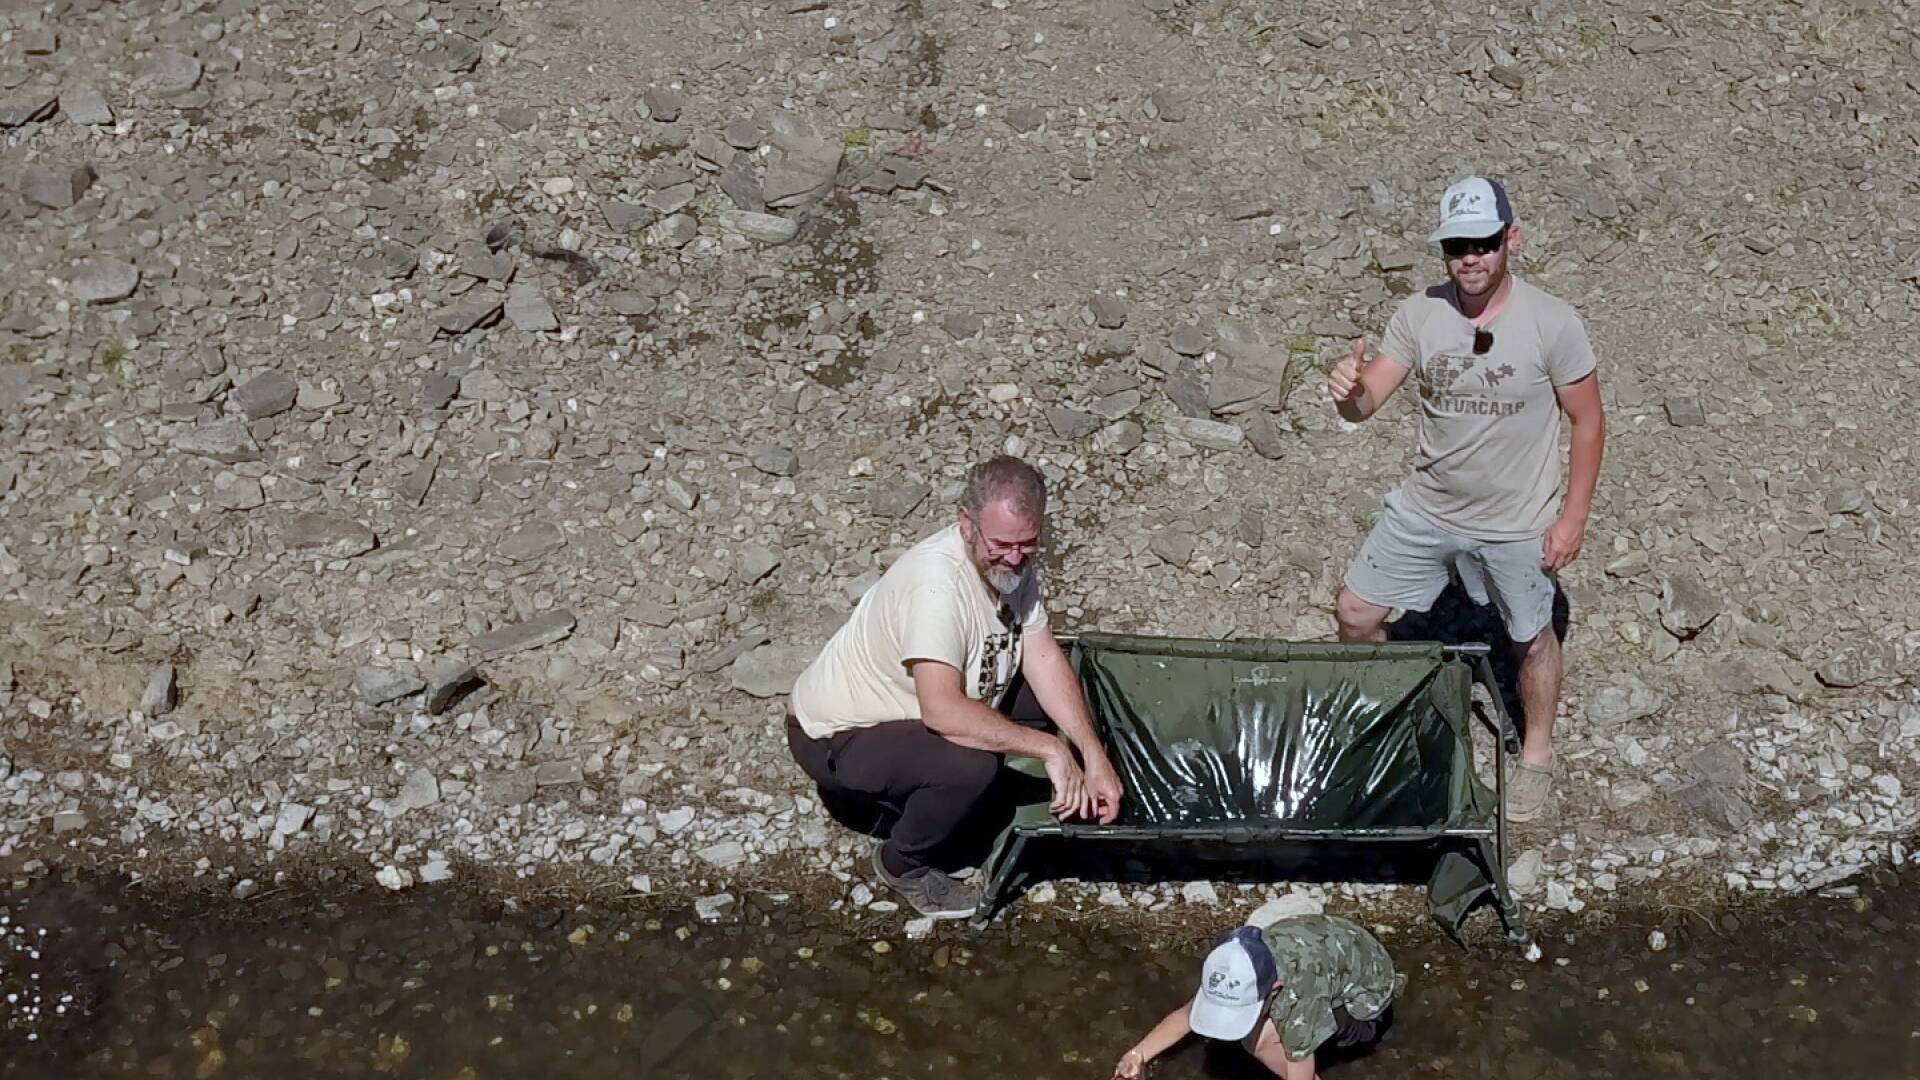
{"type": "Point", "coordinates": [640, 883]}
{"type": "Point", "coordinates": [713, 908]}
{"type": "Point", "coordinates": [558, 185]}
{"type": "Point", "coordinates": [861, 896]}
{"type": "Point", "coordinates": [919, 929]}
{"type": "Point", "coordinates": [394, 877]}
{"type": "Point", "coordinates": [1280, 907]}
{"type": "Point", "coordinates": [673, 822]}
{"type": "Point", "coordinates": [1112, 898]}
{"type": "Point", "coordinates": [1657, 941]}
{"type": "Point", "coordinates": [1559, 897]}
{"type": "Point", "coordinates": [724, 855]}
{"type": "Point", "coordinates": [1043, 893]}
{"type": "Point", "coordinates": [1524, 874]}
{"type": "Point", "coordinates": [292, 818]}
{"type": "Point", "coordinates": [436, 870]}
{"type": "Point", "coordinates": [1199, 892]}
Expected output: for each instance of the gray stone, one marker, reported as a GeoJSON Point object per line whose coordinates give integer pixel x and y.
{"type": "Point", "coordinates": [1188, 394]}
{"type": "Point", "coordinates": [223, 440]}
{"type": "Point", "coordinates": [533, 541]}
{"type": "Point", "coordinates": [66, 821]}
{"type": "Point", "coordinates": [1211, 434]}
{"type": "Point", "coordinates": [670, 199]}
{"type": "Point", "coordinates": [1174, 546]}
{"type": "Point", "coordinates": [420, 789]}
{"type": "Point", "coordinates": [1846, 496]}
{"type": "Point", "coordinates": [292, 818]}
{"type": "Point", "coordinates": [1026, 118]}
{"type": "Point", "coordinates": [267, 394]}
{"type": "Point", "coordinates": [1119, 439]}
{"type": "Point", "coordinates": [378, 686]}
{"type": "Point", "coordinates": [771, 670]}
{"type": "Point", "coordinates": [897, 500]}
{"type": "Point", "coordinates": [1685, 412]}
{"type": "Point", "coordinates": [168, 73]}
{"type": "Point", "coordinates": [327, 536]}
{"type": "Point", "coordinates": [1627, 700]}
{"type": "Point", "coordinates": [1524, 874]}
{"type": "Point", "coordinates": [775, 460]}
{"type": "Point", "coordinates": [676, 231]}
{"type": "Point", "coordinates": [435, 871]}
{"type": "Point", "coordinates": [558, 773]}
{"type": "Point", "coordinates": [625, 217]}
{"type": "Point", "coordinates": [1190, 340]}
{"type": "Point", "coordinates": [1168, 106]}
{"type": "Point", "coordinates": [55, 186]}
{"type": "Point", "coordinates": [1265, 436]}
{"type": "Point", "coordinates": [474, 313]}
{"type": "Point", "coordinates": [104, 281]}
{"type": "Point", "coordinates": [521, 636]}
{"type": "Point", "coordinates": [802, 170]}
{"type": "Point", "coordinates": [663, 104]}
{"type": "Point", "coordinates": [162, 693]}
{"type": "Point", "coordinates": [449, 681]}
{"type": "Point", "coordinates": [724, 855]}
{"type": "Point", "coordinates": [1719, 763]}
{"type": "Point", "coordinates": [1109, 311]}
{"type": "Point", "coordinates": [514, 788]}
{"type": "Point", "coordinates": [26, 108]}
{"type": "Point", "coordinates": [1687, 606]}
{"type": "Point", "coordinates": [1859, 664]}
{"type": "Point", "coordinates": [766, 228]}
{"type": "Point", "coordinates": [756, 563]}
{"type": "Point", "coordinates": [723, 657]}
{"type": "Point", "coordinates": [1117, 406]}
{"type": "Point", "coordinates": [1071, 424]}
{"type": "Point", "coordinates": [739, 182]}
{"type": "Point", "coordinates": [529, 311]}
{"type": "Point", "coordinates": [632, 303]}
{"type": "Point", "coordinates": [1718, 805]}
{"type": "Point", "coordinates": [962, 325]}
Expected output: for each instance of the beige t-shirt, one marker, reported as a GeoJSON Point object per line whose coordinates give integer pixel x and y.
{"type": "Point", "coordinates": [1488, 464]}
{"type": "Point", "coordinates": [930, 605]}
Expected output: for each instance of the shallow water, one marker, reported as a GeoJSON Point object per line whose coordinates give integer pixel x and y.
{"type": "Point", "coordinates": [450, 985]}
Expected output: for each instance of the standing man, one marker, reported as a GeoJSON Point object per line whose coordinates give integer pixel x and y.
{"type": "Point", "coordinates": [900, 709]}
{"type": "Point", "coordinates": [1499, 363]}
{"type": "Point", "coordinates": [1282, 991]}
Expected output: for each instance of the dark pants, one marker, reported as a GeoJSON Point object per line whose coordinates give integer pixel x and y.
{"type": "Point", "coordinates": [932, 784]}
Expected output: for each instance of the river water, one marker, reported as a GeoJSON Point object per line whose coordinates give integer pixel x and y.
{"type": "Point", "coordinates": [100, 980]}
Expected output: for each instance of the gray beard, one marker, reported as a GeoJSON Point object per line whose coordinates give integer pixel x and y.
{"type": "Point", "coordinates": [1010, 582]}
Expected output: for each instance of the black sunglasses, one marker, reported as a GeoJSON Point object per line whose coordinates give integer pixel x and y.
{"type": "Point", "coordinates": [1459, 247]}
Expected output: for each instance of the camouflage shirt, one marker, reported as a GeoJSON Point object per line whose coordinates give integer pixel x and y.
{"type": "Point", "coordinates": [1324, 961]}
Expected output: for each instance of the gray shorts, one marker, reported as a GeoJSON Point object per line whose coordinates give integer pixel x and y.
{"type": "Point", "coordinates": [1405, 560]}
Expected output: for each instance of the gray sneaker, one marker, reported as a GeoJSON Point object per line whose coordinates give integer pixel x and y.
{"type": "Point", "coordinates": [1528, 790]}
{"type": "Point", "coordinates": [930, 892]}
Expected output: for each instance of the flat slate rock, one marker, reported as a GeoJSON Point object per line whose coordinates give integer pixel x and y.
{"type": "Point", "coordinates": [448, 682]}
{"type": "Point", "coordinates": [267, 394]}
{"type": "Point", "coordinates": [104, 281]}
{"type": "Point", "coordinates": [223, 440]}
{"type": "Point", "coordinates": [521, 636]}
{"type": "Point", "coordinates": [328, 536]}
{"type": "Point", "coordinates": [379, 686]}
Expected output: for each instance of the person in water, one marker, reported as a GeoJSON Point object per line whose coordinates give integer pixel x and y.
{"type": "Point", "coordinates": [1283, 992]}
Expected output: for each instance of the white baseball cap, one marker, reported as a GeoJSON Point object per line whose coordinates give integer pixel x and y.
{"type": "Point", "coordinates": [1474, 207]}
{"type": "Point", "coordinates": [1234, 983]}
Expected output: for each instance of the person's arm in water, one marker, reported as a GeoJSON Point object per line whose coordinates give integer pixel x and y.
{"type": "Point", "coordinates": [948, 712]}
{"type": "Point", "coordinates": [1058, 691]}
{"type": "Point", "coordinates": [1163, 1037]}
{"type": "Point", "coordinates": [1270, 1050]}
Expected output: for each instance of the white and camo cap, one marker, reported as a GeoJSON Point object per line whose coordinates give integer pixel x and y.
{"type": "Point", "coordinates": [1474, 207]}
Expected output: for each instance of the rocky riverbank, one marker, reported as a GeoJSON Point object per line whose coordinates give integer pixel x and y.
{"type": "Point", "coordinates": [432, 433]}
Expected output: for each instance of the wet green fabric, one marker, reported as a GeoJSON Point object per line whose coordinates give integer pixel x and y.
{"type": "Point", "coordinates": [1323, 961]}
{"type": "Point", "coordinates": [1251, 741]}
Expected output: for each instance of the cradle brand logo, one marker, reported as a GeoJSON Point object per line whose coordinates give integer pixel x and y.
{"type": "Point", "coordinates": [1442, 373]}
{"type": "Point", "coordinates": [1261, 675]}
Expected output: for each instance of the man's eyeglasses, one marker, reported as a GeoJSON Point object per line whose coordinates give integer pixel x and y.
{"type": "Point", "coordinates": [995, 547]}
{"type": "Point", "coordinates": [1459, 247]}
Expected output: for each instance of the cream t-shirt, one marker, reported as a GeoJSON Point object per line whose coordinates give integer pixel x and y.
{"type": "Point", "coordinates": [1488, 463]}
{"type": "Point", "coordinates": [930, 605]}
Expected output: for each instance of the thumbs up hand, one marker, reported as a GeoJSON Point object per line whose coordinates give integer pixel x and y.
{"type": "Point", "coordinates": [1343, 382]}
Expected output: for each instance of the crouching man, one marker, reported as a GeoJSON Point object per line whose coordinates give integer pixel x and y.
{"type": "Point", "coordinates": [898, 709]}
{"type": "Point", "coordinates": [1283, 992]}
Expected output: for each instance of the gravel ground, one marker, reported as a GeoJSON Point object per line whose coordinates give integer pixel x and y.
{"type": "Point", "coordinates": [432, 434]}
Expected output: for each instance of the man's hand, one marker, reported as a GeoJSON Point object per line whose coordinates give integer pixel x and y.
{"type": "Point", "coordinates": [1131, 1066]}
{"type": "Point", "coordinates": [1343, 382]}
{"type": "Point", "coordinates": [1562, 543]}
{"type": "Point", "coordinates": [1103, 784]}
{"type": "Point", "coordinates": [1070, 795]}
